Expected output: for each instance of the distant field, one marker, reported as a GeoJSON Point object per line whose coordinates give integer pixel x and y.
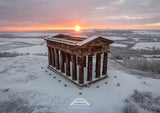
{"type": "Point", "coordinates": [147, 45]}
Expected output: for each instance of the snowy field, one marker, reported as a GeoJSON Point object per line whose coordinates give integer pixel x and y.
{"type": "Point", "coordinates": [143, 32]}
{"type": "Point", "coordinates": [147, 45]}
{"type": "Point", "coordinates": [28, 86]}
{"type": "Point", "coordinates": [24, 40]}
{"type": "Point", "coordinates": [26, 34]}
{"type": "Point", "coordinates": [118, 45]}
{"type": "Point", "coordinates": [116, 38]}
{"type": "Point", "coordinates": [4, 43]}
{"type": "Point", "coordinates": [37, 49]}
{"type": "Point", "coordinates": [28, 75]}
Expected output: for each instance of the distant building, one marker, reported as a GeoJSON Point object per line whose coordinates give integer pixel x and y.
{"type": "Point", "coordinates": [72, 57]}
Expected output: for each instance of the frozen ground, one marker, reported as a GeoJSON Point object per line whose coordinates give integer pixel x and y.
{"type": "Point", "coordinates": [37, 49]}
{"type": "Point", "coordinates": [116, 38]}
{"type": "Point", "coordinates": [29, 77]}
{"type": "Point", "coordinates": [23, 45]}
{"type": "Point", "coordinates": [147, 32]}
{"type": "Point", "coordinates": [147, 45]}
{"type": "Point", "coordinates": [118, 45]}
{"type": "Point", "coordinates": [26, 34]}
{"type": "Point", "coordinates": [27, 86]}
{"type": "Point", "coordinates": [24, 40]}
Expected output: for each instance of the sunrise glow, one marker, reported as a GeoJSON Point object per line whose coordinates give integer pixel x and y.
{"type": "Point", "coordinates": [77, 28]}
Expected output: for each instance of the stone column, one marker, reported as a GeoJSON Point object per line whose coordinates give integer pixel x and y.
{"type": "Point", "coordinates": [105, 60]}
{"type": "Point", "coordinates": [49, 56]}
{"type": "Point", "coordinates": [77, 60]}
{"type": "Point", "coordinates": [69, 57]}
{"type": "Point", "coordinates": [53, 57]}
{"type": "Point", "coordinates": [64, 57]}
{"type": "Point", "coordinates": [74, 68]}
{"type": "Point", "coordinates": [67, 65]}
{"type": "Point", "coordinates": [84, 61]}
{"type": "Point", "coordinates": [89, 71]}
{"type": "Point", "coordinates": [62, 62]}
{"type": "Point", "coordinates": [98, 65]}
{"type": "Point", "coordinates": [57, 59]}
{"type": "Point", "coordinates": [81, 70]}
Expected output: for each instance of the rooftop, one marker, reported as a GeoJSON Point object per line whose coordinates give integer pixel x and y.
{"type": "Point", "coordinates": [78, 40]}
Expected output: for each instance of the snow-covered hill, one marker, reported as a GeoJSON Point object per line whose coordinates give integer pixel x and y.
{"type": "Point", "coordinates": [27, 78]}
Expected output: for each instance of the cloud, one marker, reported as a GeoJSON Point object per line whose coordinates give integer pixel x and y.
{"type": "Point", "coordinates": [65, 13]}
{"type": "Point", "coordinates": [153, 24]}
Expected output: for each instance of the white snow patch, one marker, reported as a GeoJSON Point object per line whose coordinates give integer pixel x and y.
{"type": "Point", "coordinates": [24, 40]}
{"type": "Point", "coordinates": [147, 32]}
{"type": "Point", "coordinates": [31, 34]}
{"type": "Point", "coordinates": [128, 42]}
{"type": "Point", "coordinates": [38, 49]}
{"type": "Point", "coordinates": [118, 45]}
{"type": "Point", "coordinates": [136, 39]}
{"type": "Point", "coordinates": [151, 55]}
{"type": "Point", "coordinates": [116, 38]}
{"type": "Point", "coordinates": [4, 43]}
{"type": "Point", "coordinates": [146, 45]}
{"type": "Point", "coordinates": [87, 40]}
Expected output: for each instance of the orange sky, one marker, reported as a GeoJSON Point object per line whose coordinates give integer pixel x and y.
{"type": "Point", "coordinates": [72, 28]}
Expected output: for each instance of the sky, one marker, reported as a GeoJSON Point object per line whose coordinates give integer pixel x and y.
{"type": "Point", "coordinates": [89, 14]}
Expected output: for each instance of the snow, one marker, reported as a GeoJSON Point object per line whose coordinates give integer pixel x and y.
{"type": "Point", "coordinates": [37, 49]}
{"type": "Point", "coordinates": [151, 56]}
{"type": "Point", "coordinates": [136, 39]}
{"type": "Point", "coordinates": [87, 40]}
{"type": "Point", "coordinates": [83, 36]}
{"type": "Point", "coordinates": [24, 40]}
{"type": "Point", "coordinates": [90, 39]}
{"type": "Point", "coordinates": [128, 42]}
{"type": "Point", "coordinates": [147, 32]}
{"type": "Point", "coordinates": [79, 43]}
{"type": "Point", "coordinates": [70, 42]}
{"type": "Point", "coordinates": [29, 40]}
{"type": "Point", "coordinates": [31, 34]}
{"type": "Point", "coordinates": [118, 45]}
{"type": "Point", "coordinates": [116, 38]}
{"type": "Point", "coordinates": [146, 45]}
{"type": "Point", "coordinates": [28, 77]}
{"type": "Point", "coordinates": [26, 34]}
{"type": "Point", "coordinates": [25, 74]}
{"type": "Point", "coordinates": [4, 43]}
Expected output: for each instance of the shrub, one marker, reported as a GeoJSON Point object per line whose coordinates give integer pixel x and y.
{"type": "Point", "coordinates": [144, 100]}
{"type": "Point", "coordinates": [130, 108]}
{"type": "Point", "coordinates": [7, 54]}
{"type": "Point", "coordinates": [143, 64]}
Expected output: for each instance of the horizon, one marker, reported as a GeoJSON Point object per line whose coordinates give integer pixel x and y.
{"type": "Point", "coordinates": [72, 29]}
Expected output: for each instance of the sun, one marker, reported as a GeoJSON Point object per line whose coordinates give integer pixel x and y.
{"type": "Point", "coordinates": [77, 28]}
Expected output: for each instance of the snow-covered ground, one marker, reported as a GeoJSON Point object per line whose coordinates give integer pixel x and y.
{"type": "Point", "coordinates": [28, 75]}
{"type": "Point", "coordinates": [4, 43]}
{"type": "Point", "coordinates": [26, 34]}
{"type": "Point", "coordinates": [147, 45]}
{"type": "Point", "coordinates": [116, 38]}
{"type": "Point", "coordinates": [27, 84]}
{"type": "Point", "coordinates": [23, 45]}
{"type": "Point", "coordinates": [147, 32]}
{"type": "Point", "coordinates": [151, 56]}
{"type": "Point", "coordinates": [37, 49]}
{"type": "Point", "coordinates": [118, 45]}
{"type": "Point", "coordinates": [24, 40]}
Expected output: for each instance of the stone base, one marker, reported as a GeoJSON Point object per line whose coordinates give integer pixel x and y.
{"type": "Point", "coordinates": [74, 82]}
